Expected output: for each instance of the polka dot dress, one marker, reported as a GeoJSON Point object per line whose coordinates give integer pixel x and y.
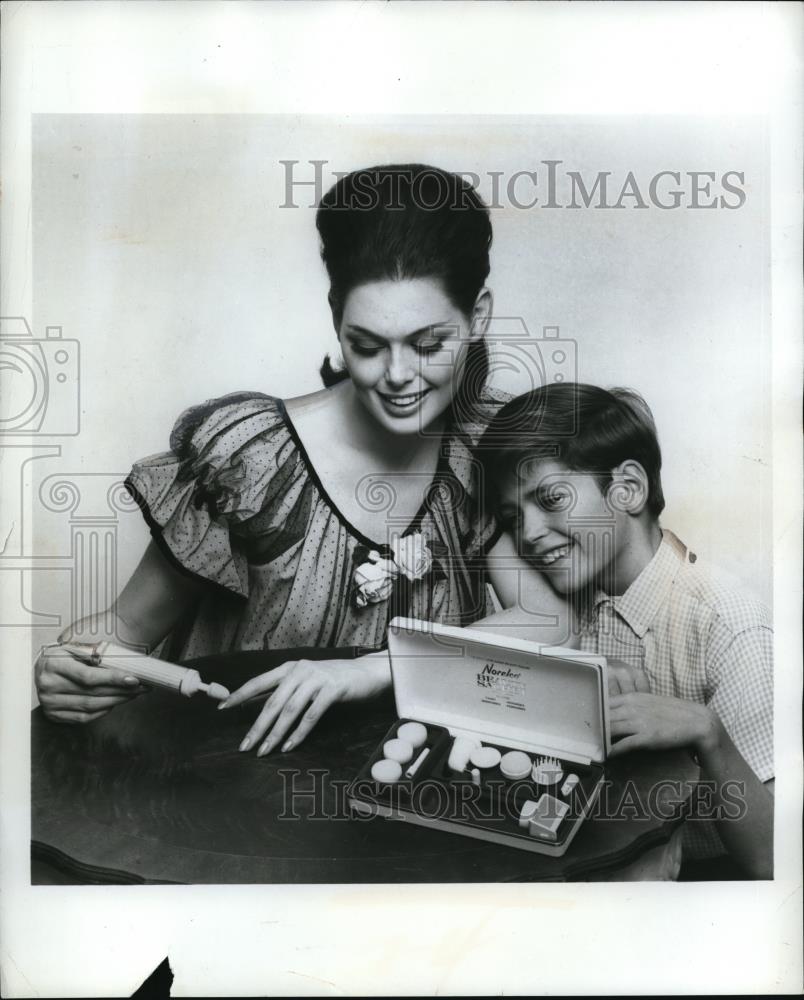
{"type": "Point", "coordinates": [237, 503]}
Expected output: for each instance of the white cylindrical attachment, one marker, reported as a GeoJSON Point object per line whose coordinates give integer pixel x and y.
{"type": "Point", "coordinates": [217, 691]}
{"type": "Point", "coordinates": [414, 733]}
{"type": "Point", "coordinates": [414, 767]}
{"type": "Point", "coordinates": [570, 784]}
{"type": "Point", "coordinates": [191, 684]}
{"type": "Point", "coordinates": [459, 754]}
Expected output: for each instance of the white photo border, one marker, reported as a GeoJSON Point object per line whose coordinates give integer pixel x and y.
{"type": "Point", "coordinates": [449, 58]}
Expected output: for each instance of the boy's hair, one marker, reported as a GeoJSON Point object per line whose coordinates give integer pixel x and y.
{"type": "Point", "coordinates": [584, 427]}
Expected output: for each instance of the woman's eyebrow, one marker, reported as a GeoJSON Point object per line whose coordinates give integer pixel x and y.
{"type": "Point", "coordinates": [432, 329]}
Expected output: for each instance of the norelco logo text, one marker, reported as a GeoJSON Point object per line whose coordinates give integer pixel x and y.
{"type": "Point", "coordinates": [491, 676]}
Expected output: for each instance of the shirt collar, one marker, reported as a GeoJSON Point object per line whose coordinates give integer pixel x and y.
{"type": "Point", "coordinates": [641, 602]}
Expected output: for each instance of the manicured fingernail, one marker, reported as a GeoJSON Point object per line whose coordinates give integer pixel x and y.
{"type": "Point", "coordinates": [130, 680]}
{"type": "Point", "coordinates": [265, 748]}
{"type": "Point", "coordinates": [223, 704]}
{"type": "Point", "coordinates": [245, 744]}
{"type": "Point", "coordinates": [287, 745]}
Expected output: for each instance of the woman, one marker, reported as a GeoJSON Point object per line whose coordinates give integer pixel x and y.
{"type": "Point", "coordinates": [312, 521]}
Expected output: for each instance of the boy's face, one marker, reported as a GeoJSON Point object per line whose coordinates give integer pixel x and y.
{"type": "Point", "coordinates": [562, 524]}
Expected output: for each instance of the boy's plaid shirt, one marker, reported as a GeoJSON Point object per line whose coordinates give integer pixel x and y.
{"type": "Point", "coordinates": [697, 640]}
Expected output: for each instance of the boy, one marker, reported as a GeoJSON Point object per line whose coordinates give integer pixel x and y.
{"type": "Point", "coordinates": [573, 472]}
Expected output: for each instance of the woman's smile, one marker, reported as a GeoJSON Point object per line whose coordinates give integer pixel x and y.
{"type": "Point", "coordinates": [403, 343]}
{"type": "Point", "coordinates": [402, 404]}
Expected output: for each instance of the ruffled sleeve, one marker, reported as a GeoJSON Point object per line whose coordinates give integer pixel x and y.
{"type": "Point", "coordinates": [228, 458]}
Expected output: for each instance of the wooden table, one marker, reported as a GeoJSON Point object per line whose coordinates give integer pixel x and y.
{"type": "Point", "coordinates": [157, 792]}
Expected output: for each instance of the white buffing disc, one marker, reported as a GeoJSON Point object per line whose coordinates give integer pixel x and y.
{"type": "Point", "coordinates": [414, 732]}
{"type": "Point", "coordinates": [516, 764]}
{"type": "Point", "coordinates": [386, 771]}
{"type": "Point", "coordinates": [485, 757]}
{"type": "Point", "coordinates": [399, 750]}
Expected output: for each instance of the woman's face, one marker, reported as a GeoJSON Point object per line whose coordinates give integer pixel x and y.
{"type": "Point", "coordinates": [403, 343]}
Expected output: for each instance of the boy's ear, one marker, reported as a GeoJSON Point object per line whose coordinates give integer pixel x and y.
{"type": "Point", "coordinates": [481, 314]}
{"type": "Point", "coordinates": [629, 488]}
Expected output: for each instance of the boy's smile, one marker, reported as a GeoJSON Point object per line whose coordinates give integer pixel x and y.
{"type": "Point", "coordinates": [562, 522]}
{"type": "Point", "coordinates": [549, 556]}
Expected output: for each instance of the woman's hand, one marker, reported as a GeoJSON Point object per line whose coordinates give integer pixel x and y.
{"type": "Point", "coordinates": [302, 691]}
{"type": "Point", "coordinates": [651, 722]}
{"type": "Point", "coordinates": [72, 691]}
{"type": "Point", "coordinates": [152, 601]}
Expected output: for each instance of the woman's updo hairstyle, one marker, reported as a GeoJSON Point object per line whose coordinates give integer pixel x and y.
{"type": "Point", "coordinates": [407, 221]}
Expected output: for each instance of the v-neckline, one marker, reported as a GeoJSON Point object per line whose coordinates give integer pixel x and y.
{"type": "Point", "coordinates": [364, 539]}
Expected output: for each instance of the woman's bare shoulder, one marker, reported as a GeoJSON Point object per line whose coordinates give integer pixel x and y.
{"type": "Point", "coordinates": [313, 403]}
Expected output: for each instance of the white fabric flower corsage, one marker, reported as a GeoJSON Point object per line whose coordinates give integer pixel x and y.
{"type": "Point", "coordinates": [374, 579]}
{"type": "Point", "coordinates": [409, 556]}
{"type": "Point", "coordinates": [412, 555]}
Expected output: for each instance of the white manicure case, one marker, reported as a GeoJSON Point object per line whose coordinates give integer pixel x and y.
{"type": "Point", "coordinates": [508, 693]}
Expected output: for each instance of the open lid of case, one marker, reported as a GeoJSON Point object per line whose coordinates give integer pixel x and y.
{"type": "Point", "coordinates": [542, 699]}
